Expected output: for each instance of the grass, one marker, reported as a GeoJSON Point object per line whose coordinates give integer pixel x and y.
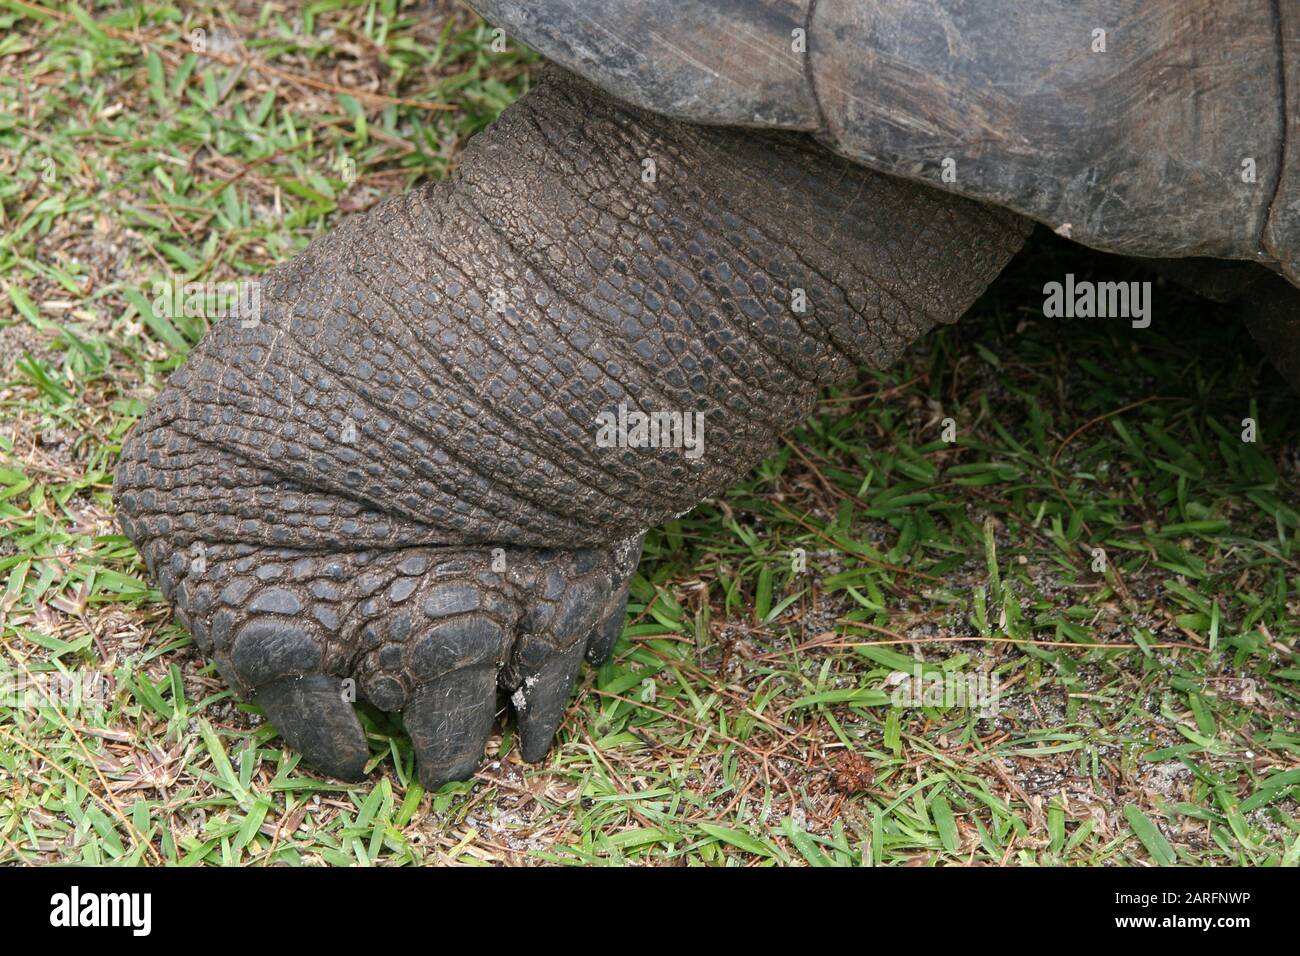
{"type": "Point", "coordinates": [1149, 697]}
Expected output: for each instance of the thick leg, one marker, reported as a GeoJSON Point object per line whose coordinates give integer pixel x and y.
{"type": "Point", "coordinates": [1272, 311]}
{"type": "Point", "coordinates": [1270, 305]}
{"type": "Point", "coordinates": [425, 465]}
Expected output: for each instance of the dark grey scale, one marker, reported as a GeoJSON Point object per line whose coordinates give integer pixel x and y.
{"type": "Point", "coordinates": [390, 658]}
{"type": "Point", "coordinates": [416, 564]}
{"type": "Point", "coordinates": [166, 581]}
{"type": "Point", "coordinates": [401, 589]}
{"type": "Point", "coordinates": [268, 648]}
{"type": "Point", "coordinates": [323, 589]}
{"type": "Point", "coordinates": [450, 598]}
{"type": "Point", "coordinates": [501, 605]}
{"type": "Point", "coordinates": [371, 635]}
{"type": "Point", "coordinates": [201, 599]}
{"type": "Point", "coordinates": [276, 600]}
{"type": "Point", "coordinates": [400, 623]}
{"type": "Point", "coordinates": [385, 692]}
{"type": "Point", "coordinates": [236, 592]}
{"type": "Point", "coordinates": [327, 615]}
{"type": "Point", "coordinates": [539, 617]}
{"type": "Point", "coordinates": [222, 629]}
{"type": "Point", "coordinates": [270, 572]}
{"type": "Point", "coordinates": [449, 569]}
{"type": "Point", "coordinates": [554, 585]}
{"type": "Point", "coordinates": [371, 582]}
{"type": "Point", "coordinates": [468, 640]}
{"type": "Point", "coordinates": [578, 608]}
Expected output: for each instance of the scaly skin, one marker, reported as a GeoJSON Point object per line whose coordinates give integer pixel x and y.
{"type": "Point", "coordinates": [394, 475]}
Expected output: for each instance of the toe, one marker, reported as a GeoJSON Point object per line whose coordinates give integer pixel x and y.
{"type": "Point", "coordinates": [448, 716]}
{"type": "Point", "coordinates": [549, 653]}
{"type": "Point", "coordinates": [541, 700]}
{"type": "Point", "coordinates": [315, 718]}
{"type": "Point", "coordinates": [603, 638]}
{"type": "Point", "coordinates": [623, 562]}
{"type": "Point", "coordinates": [449, 721]}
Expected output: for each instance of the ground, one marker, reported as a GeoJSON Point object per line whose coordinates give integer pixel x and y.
{"type": "Point", "coordinates": [1099, 538]}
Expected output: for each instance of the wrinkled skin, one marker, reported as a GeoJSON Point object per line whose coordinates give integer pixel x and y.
{"type": "Point", "coordinates": [393, 476]}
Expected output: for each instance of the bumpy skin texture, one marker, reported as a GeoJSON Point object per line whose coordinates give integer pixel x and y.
{"type": "Point", "coordinates": [393, 476]}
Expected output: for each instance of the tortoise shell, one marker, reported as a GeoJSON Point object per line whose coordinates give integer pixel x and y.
{"type": "Point", "coordinates": [1165, 128]}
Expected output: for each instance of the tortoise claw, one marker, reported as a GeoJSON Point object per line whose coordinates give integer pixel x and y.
{"type": "Point", "coordinates": [540, 701]}
{"type": "Point", "coordinates": [315, 719]}
{"type": "Point", "coordinates": [449, 720]}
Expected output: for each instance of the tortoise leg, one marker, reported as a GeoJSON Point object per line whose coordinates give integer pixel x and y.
{"type": "Point", "coordinates": [416, 471]}
{"type": "Point", "coordinates": [1269, 304]}
{"type": "Point", "coordinates": [1272, 312]}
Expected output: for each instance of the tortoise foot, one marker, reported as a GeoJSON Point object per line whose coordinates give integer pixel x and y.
{"type": "Point", "coordinates": [431, 632]}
